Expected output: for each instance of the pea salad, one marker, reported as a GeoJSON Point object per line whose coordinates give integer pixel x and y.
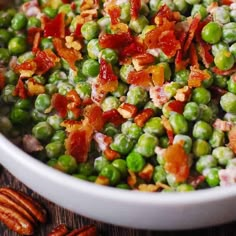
{"type": "Point", "coordinates": [133, 94]}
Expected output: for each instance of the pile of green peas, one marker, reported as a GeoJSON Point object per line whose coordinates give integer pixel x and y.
{"type": "Point", "coordinates": [205, 145]}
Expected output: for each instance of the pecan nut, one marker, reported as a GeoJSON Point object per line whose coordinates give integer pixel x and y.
{"type": "Point", "coordinates": [60, 230]}
{"type": "Point", "coordinates": [20, 212]}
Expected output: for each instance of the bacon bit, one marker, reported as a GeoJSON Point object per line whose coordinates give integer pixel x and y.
{"type": "Point", "coordinates": [176, 106]}
{"type": "Point", "coordinates": [59, 102]}
{"type": "Point", "coordinates": [180, 63]}
{"type": "Point", "coordinates": [197, 76]}
{"type": "Point", "coordinates": [115, 41]}
{"type": "Point", "coordinates": [73, 96]}
{"type": "Point", "coordinates": [132, 179]}
{"type": "Point", "coordinates": [34, 88]}
{"type": "Point", "coordinates": [120, 28]}
{"type": "Point", "coordinates": [222, 125]}
{"type": "Point", "coordinates": [193, 56]}
{"type": "Point", "coordinates": [107, 79]}
{"type": "Point", "coordinates": [111, 155]}
{"type": "Point", "coordinates": [163, 186]}
{"type": "Point", "coordinates": [89, 14]}
{"type": "Point", "coordinates": [143, 117]}
{"type": "Point", "coordinates": [102, 180]}
{"type": "Point", "coordinates": [159, 96]}
{"type": "Point", "coordinates": [147, 172]}
{"type": "Point", "coordinates": [2, 81]}
{"type": "Point", "coordinates": [183, 94]}
{"type": "Point", "coordinates": [71, 43]}
{"type": "Point", "coordinates": [97, 94]}
{"type": "Point", "coordinates": [168, 128]}
{"type": "Point", "coordinates": [226, 2]}
{"type": "Point", "coordinates": [94, 115]}
{"type": "Point", "coordinates": [132, 49]}
{"type": "Point", "coordinates": [33, 37]}
{"type": "Point", "coordinates": [195, 181]}
{"type": "Point", "coordinates": [135, 6]}
{"type": "Point", "coordinates": [20, 89]}
{"type": "Point", "coordinates": [78, 142]}
{"type": "Point", "coordinates": [103, 141]}
{"type": "Point", "coordinates": [140, 61]}
{"type": "Point", "coordinates": [72, 125]}
{"type": "Point", "coordinates": [87, 4]}
{"type": "Point", "coordinates": [166, 13]}
{"type": "Point", "coordinates": [176, 162]}
{"type": "Point", "coordinates": [113, 116]}
{"type": "Point", "coordinates": [148, 187]}
{"type": "Point", "coordinates": [45, 60]}
{"type": "Point", "coordinates": [55, 27]}
{"type": "Point", "coordinates": [139, 78]}
{"type": "Point", "coordinates": [69, 54]}
{"type": "Point", "coordinates": [127, 110]}
{"type": "Point", "coordinates": [192, 30]}
{"type": "Point", "coordinates": [31, 144]}
{"type": "Point", "coordinates": [224, 72]}
{"type": "Point", "coordinates": [77, 32]}
{"type": "Point", "coordinates": [114, 13]}
{"type": "Point", "coordinates": [157, 74]}
{"type": "Point", "coordinates": [26, 69]}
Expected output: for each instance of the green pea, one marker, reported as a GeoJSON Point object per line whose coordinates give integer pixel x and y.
{"type": "Point", "coordinates": [185, 188]}
{"type": "Point", "coordinates": [178, 123]}
{"type": "Point", "coordinates": [201, 95]}
{"type": "Point", "coordinates": [5, 19]}
{"type": "Point", "coordinates": [5, 125]}
{"type": "Point", "coordinates": [206, 113]}
{"type": "Point", "coordinates": [52, 163]}
{"type": "Point", "coordinates": [217, 139]}
{"type": "Point", "coordinates": [5, 37]}
{"type": "Point", "coordinates": [19, 116]}
{"type": "Point", "coordinates": [193, 2]}
{"type": "Point", "coordinates": [110, 103]}
{"type": "Point", "coordinates": [42, 102]}
{"type": "Point", "coordinates": [38, 116]}
{"type": "Point", "coordinates": [4, 56]}
{"type": "Point", "coordinates": [224, 60]}
{"type": "Point", "coordinates": [221, 15]}
{"type": "Point", "coordinates": [125, 12]}
{"type": "Point", "coordinates": [171, 180]}
{"type": "Point", "coordinates": [99, 163]}
{"type": "Point", "coordinates": [33, 22]}
{"type": "Point", "coordinates": [199, 9]}
{"type": "Point", "coordinates": [80, 176]}
{"type": "Point", "coordinates": [17, 45]}
{"type": "Point", "coordinates": [83, 89]}
{"type": "Point", "coordinates": [55, 121]}
{"type": "Point", "coordinates": [121, 165]}
{"type": "Point", "coordinates": [7, 94]}
{"type": "Point", "coordinates": [54, 149]}
{"type": "Point", "coordinates": [121, 90]}
{"type": "Point", "coordinates": [122, 144]}
{"type": "Point", "coordinates": [212, 33]}
{"type": "Point", "coordinates": [154, 126]}
{"type": "Point", "coordinates": [64, 87]}
{"type": "Point", "coordinates": [231, 163]}
{"type": "Point", "coordinates": [138, 24]}
{"type": "Point", "coordinates": [182, 77]}
{"type": "Point", "coordinates": [111, 172]}
{"type": "Point", "coordinates": [51, 89]}
{"type": "Point", "coordinates": [164, 142]}
{"type": "Point", "coordinates": [229, 32]}
{"type": "Point", "coordinates": [223, 155]}
{"type": "Point", "coordinates": [124, 72]}
{"type": "Point", "coordinates": [86, 169]}
{"type": "Point", "coordinates": [159, 175]}
{"type": "Point", "coordinates": [90, 68]}
{"type": "Point", "coordinates": [202, 130]}
{"type": "Point", "coordinates": [221, 46]}
{"type": "Point", "coordinates": [220, 81]}
{"type": "Point", "coordinates": [206, 83]}
{"type": "Point", "coordinates": [110, 130]}
{"type": "Point", "coordinates": [109, 55]}
{"type": "Point", "coordinates": [154, 5]}
{"type": "Point", "coordinates": [42, 131]}
{"type": "Point", "coordinates": [201, 148]}
{"type": "Point", "coordinates": [231, 85]}
{"type": "Point", "coordinates": [25, 57]}
{"type": "Point", "coordinates": [228, 102]}
{"type": "Point", "coordinates": [171, 88]}
{"type": "Point", "coordinates": [19, 21]}
{"type": "Point", "coordinates": [135, 162]}
{"type": "Point", "coordinates": [230, 117]}
{"type": "Point", "coordinates": [104, 24]}
{"type": "Point", "coordinates": [131, 130]}
{"type": "Point", "coordinates": [187, 141]}
{"type": "Point", "coordinates": [57, 76]}
{"type": "Point", "coordinates": [181, 6]}
{"type": "Point", "coordinates": [137, 96]}
{"type": "Point", "coordinates": [93, 48]}
{"type": "Point", "coordinates": [46, 43]}
{"type": "Point", "coordinates": [67, 164]}
{"type": "Point", "coordinates": [191, 111]}
{"type": "Point", "coordinates": [90, 30]}
{"type": "Point", "coordinates": [59, 135]}
{"type": "Point", "coordinates": [24, 104]}
{"type": "Point", "coordinates": [205, 162]}
{"type": "Point", "coordinates": [212, 176]}
{"type": "Point", "coordinates": [123, 186]}
{"type": "Point", "coordinates": [146, 145]}
{"type": "Point", "coordinates": [50, 12]}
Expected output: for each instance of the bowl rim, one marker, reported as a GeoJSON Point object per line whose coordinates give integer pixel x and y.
{"type": "Point", "coordinates": [105, 192]}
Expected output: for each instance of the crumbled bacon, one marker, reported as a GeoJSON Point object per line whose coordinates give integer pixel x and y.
{"type": "Point", "coordinates": [135, 6]}
{"type": "Point", "coordinates": [197, 76]}
{"type": "Point", "coordinates": [147, 172]}
{"type": "Point", "coordinates": [168, 128]}
{"type": "Point", "coordinates": [20, 89]}
{"type": "Point", "coordinates": [183, 94]}
{"type": "Point", "coordinates": [159, 96]}
{"type": "Point", "coordinates": [127, 110]}
{"type": "Point", "coordinates": [31, 144]}
{"type": "Point", "coordinates": [113, 116]}
{"type": "Point", "coordinates": [114, 12]}
{"type": "Point", "coordinates": [143, 117]}
{"type": "Point", "coordinates": [140, 78]}
{"type": "Point", "coordinates": [34, 88]}
{"type": "Point", "coordinates": [142, 60]}
{"type": "Point", "coordinates": [59, 102]}
{"type": "Point", "coordinates": [33, 37]}
{"type": "Point", "coordinates": [176, 106]}
{"type": "Point", "coordinates": [103, 141]}
{"type": "Point", "coordinates": [224, 72]}
{"type": "Point", "coordinates": [232, 139]}
{"type": "Point", "coordinates": [222, 125]}
{"type": "Point", "coordinates": [195, 181]}
{"type": "Point", "coordinates": [26, 69]}
{"type": "Point", "coordinates": [2, 81]}
{"type": "Point", "coordinates": [176, 162]}
{"type": "Point", "coordinates": [111, 155]}
{"type": "Point", "coordinates": [135, 47]}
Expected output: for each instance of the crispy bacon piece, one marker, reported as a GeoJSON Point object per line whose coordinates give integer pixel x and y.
{"type": "Point", "coordinates": [26, 69]}
{"type": "Point", "coordinates": [113, 116]}
{"type": "Point", "coordinates": [143, 117]}
{"type": "Point", "coordinates": [111, 155]}
{"type": "Point", "coordinates": [193, 56]}
{"type": "Point", "coordinates": [2, 81]}
{"type": "Point", "coordinates": [176, 106]}
{"type": "Point", "coordinates": [115, 41]}
{"type": "Point", "coordinates": [195, 181]}
{"type": "Point", "coordinates": [33, 37]}
{"type": "Point", "coordinates": [168, 128]}
{"type": "Point", "coordinates": [114, 13]}
{"type": "Point", "coordinates": [127, 110]}
{"type": "Point", "coordinates": [135, 6]}
{"type": "Point", "coordinates": [157, 74]}
{"type": "Point", "coordinates": [222, 125]}
{"type": "Point", "coordinates": [55, 27]}
{"type": "Point", "coordinates": [34, 88]}
{"type": "Point", "coordinates": [180, 62]}
{"type": "Point", "coordinates": [132, 49]}
{"type": "Point", "coordinates": [176, 162]}
{"type": "Point", "coordinates": [147, 172]}
{"type": "Point", "coordinates": [140, 78]}
{"type": "Point", "coordinates": [71, 55]}
{"type": "Point", "coordinates": [103, 141]}
{"type": "Point", "coordinates": [226, 2]}
{"type": "Point", "coordinates": [20, 89]}
{"type": "Point", "coordinates": [59, 102]}
{"type": "Point", "coordinates": [107, 79]}
{"type": "Point", "coordinates": [142, 60]}
{"type": "Point", "coordinates": [232, 139]}
{"type": "Point", "coordinates": [197, 76]}
{"type": "Point", "coordinates": [224, 72]}
{"type": "Point", "coordinates": [183, 94]}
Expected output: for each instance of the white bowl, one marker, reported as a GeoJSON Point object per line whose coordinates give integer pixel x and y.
{"type": "Point", "coordinates": [156, 211]}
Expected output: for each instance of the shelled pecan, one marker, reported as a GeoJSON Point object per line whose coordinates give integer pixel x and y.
{"type": "Point", "coordinates": [19, 212]}
{"type": "Point", "coordinates": [62, 230]}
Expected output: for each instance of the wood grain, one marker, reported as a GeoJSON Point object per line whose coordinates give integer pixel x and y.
{"type": "Point", "coordinates": [59, 215]}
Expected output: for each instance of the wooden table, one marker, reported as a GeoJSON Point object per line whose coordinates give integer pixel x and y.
{"type": "Point", "coordinates": [59, 215]}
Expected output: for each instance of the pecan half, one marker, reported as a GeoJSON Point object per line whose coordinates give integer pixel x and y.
{"type": "Point", "coordinates": [20, 212]}
{"type": "Point", "coordinates": [88, 230]}
{"type": "Point", "coordinates": [60, 230]}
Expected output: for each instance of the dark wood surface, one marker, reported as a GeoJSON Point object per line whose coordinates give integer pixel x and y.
{"type": "Point", "coordinates": [59, 215]}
